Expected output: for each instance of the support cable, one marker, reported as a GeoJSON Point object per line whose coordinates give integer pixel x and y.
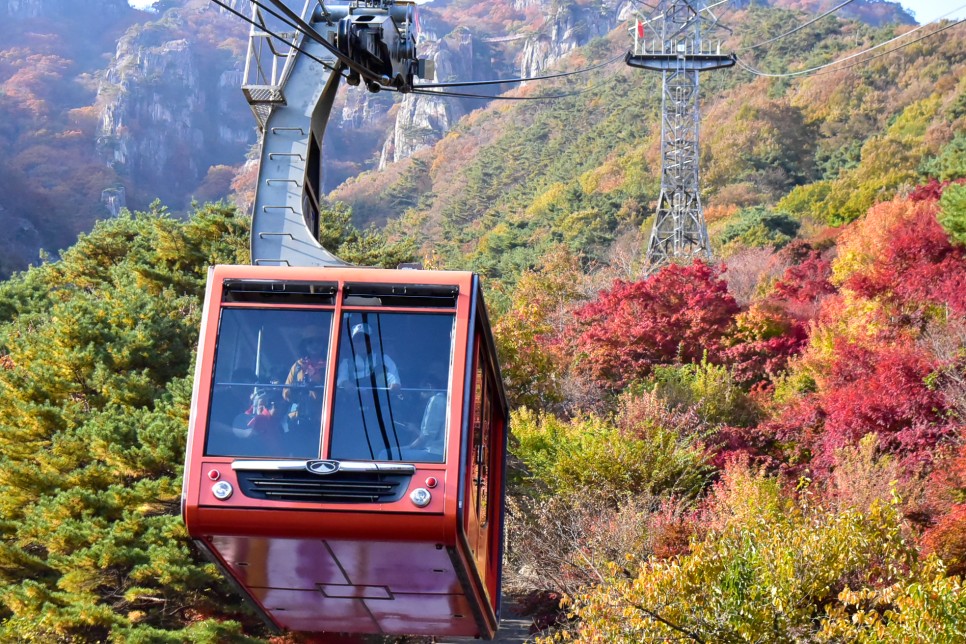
{"type": "Point", "coordinates": [301, 28]}
{"type": "Point", "coordinates": [506, 98]}
{"type": "Point", "coordinates": [724, 12]}
{"type": "Point", "coordinates": [889, 51]}
{"type": "Point", "coordinates": [296, 21]}
{"type": "Point", "coordinates": [521, 80]}
{"type": "Point", "coordinates": [798, 28]}
{"type": "Point", "coordinates": [811, 70]}
{"type": "Point", "coordinates": [275, 35]}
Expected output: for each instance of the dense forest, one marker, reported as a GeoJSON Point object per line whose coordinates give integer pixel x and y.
{"type": "Point", "coordinates": [767, 447]}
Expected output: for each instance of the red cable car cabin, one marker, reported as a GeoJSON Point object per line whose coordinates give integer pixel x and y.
{"type": "Point", "coordinates": [345, 461]}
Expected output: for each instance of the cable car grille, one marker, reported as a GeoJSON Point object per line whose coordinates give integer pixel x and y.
{"type": "Point", "coordinates": [340, 487]}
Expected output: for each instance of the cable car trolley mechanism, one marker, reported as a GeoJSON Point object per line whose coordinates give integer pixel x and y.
{"type": "Point", "coordinates": [346, 450]}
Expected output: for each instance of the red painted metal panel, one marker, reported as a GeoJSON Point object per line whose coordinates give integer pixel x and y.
{"type": "Point", "coordinates": [279, 563]}
{"type": "Point", "coordinates": [354, 592]}
{"type": "Point", "coordinates": [403, 567]}
{"type": "Point", "coordinates": [310, 611]}
{"type": "Point", "coordinates": [287, 523]}
{"type": "Point", "coordinates": [425, 614]}
{"type": "Point", "coordinates": [407, 587]}
{"type": "Point", "coordinates": [345, 567]}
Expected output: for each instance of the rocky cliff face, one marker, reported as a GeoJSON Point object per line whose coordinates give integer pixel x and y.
{"type": "Point", "coordinates": [363, 109]}
{"type": "Point", "coordinates": [422, 120]}
{"type": "Point", "coordinates": [568, 27]}
{"type": "Point", "coordinates": [168, 113]}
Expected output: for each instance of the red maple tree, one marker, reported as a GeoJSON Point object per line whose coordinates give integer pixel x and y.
{"type": "Point", "coordinates": [679, 314]}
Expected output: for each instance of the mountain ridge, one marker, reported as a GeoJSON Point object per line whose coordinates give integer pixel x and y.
{"type": "Point", "coordinates": [128, 134]}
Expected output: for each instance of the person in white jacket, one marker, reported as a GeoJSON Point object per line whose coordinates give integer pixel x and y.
{"type": "Point", "coordinates": [367, 366]}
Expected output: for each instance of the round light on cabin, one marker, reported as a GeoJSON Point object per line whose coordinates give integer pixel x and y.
{"type": "Point", "coordinates": [420, 497]}
{"type": "Point", "coordinates": [432, 482]}
{"type": "Point", "coordinates": [214, 475]}
{"type": "Point", "coordinates": [222, 490]}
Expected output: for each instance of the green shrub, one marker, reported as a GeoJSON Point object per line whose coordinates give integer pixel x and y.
{"type": "Point", "coordinates": [759, 227]}
{"type": "Point", "coordinates": [591, 453]}
{"type": "Point", "coordinates": [773, 569]}
{"type": "Point", "coordinates": [952, 213]}
{"type": "Point", "coordinates": [710, 390]}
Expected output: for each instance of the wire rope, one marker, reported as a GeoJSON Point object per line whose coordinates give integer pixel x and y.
{"type": "Point", "coordinates": [306, 29]}
{"type": "Point", "coordinates": [894, 49]}
{"type": "Point", "coordinates": [521, 80]}
{"type": "Point", "coordinates": [505, 98]}
{"type": "Point", "coordinates": [811, 70]}
{"type": "Point", "coordinates": [275, 35]}
{"type": "Point", "coordinates": [798, 28]}
{"type": "Point", "coordinates": [312, 34]}
{"type": "Point", "coordinates": [300, 26]}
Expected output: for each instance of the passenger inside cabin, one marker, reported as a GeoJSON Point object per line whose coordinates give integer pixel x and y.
{"type": "Point", "coordinates": [367, 367]}
{"type": "Point", "coordinates": [305, 382]}
{"type": "Point", "coordinates": [391, 366]}
{"type": "Point", "coordinates": [265, 418]}
{"type": "Point", "coordinates": [432, 426]}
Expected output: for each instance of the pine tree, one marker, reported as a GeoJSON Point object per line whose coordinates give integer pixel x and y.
{"type": "Point", "coordinates": [96, 352]}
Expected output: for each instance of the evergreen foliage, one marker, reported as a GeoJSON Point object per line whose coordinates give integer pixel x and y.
{"type": "Point", "coordinates": [950, 163]}
{"type": "Point", "coordinates": [839, 370]}
{"type": "Point", "coordinates": [97, 351]}
{"type": "Point", "coordinates": [368, 247]}
{"type": "Point", "coordinates": [952, 213]}
{"type": "Point", "coordinates": [757, 227]}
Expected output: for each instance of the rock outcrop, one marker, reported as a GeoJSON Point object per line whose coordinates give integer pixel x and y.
{"type": "Point", "coordinates": [567, 27]}
{"type": "Point", "coordinates": [114, 199]}
{"type": "Point", "coordinates": [169, 112]}
{"type": "Point", "coordinates": [423, 119]}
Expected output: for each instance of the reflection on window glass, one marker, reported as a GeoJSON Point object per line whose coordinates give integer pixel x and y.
{"type": "Point", "coordinates": [269, 380]}
{"type": "Point", "coordinates": [481, 440]}
{"type": "Point", "coordinates": [392, 387]}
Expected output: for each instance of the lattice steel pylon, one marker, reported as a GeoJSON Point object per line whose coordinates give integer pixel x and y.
{"type": "Point", "coordinates": [678, 52]}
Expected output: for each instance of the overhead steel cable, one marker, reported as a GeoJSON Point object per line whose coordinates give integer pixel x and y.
{"type": "Point", "coordinates": [697, 13]}
{"type": "Point", "coordinates": [812, 70]}
{"type": "Point", "coordinates": [505, 98]}
{"type": "Point", "coordinates": [296, 21]}
{"type": "Point", "coordinates": [304, 28]}
{"type": "Point", "coordinates": [520, 80]}
{"type": "Point", "coordinates": [491, 82]}
{"type": "Point", "coordinates": [889, 51]}
{"type": "Point", "coordinates": [724, 12]}
{"type": "Point", "coordinates": [490, 98]}
{"type": "Point", "coordinates": [798, 28]}
{"type": "Point", "coordinates": [271, 33]}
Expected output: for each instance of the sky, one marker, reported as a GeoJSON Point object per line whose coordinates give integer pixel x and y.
{"type": "Point", "coordinates": [928, 10]}
{"type": "Point", "coordinates": [925, 10]}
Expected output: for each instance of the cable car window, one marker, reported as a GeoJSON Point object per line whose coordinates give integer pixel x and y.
{"type": "Point", "coordinates": [268, 383]}
{"type": "Point", "coordinates": [392, 387]}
